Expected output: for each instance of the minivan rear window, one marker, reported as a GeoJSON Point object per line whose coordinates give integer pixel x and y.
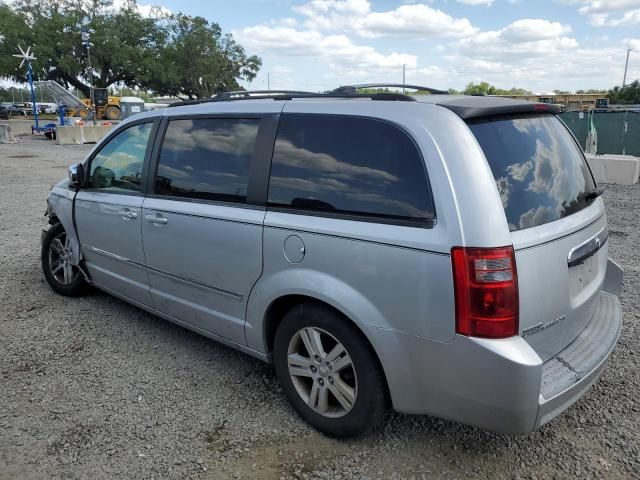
{"type": "Point", "coordinates": [538, 168]}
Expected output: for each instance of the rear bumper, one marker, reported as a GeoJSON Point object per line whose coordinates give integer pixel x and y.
{"type": "Point", "coordinates": [500, 385]}
{"type": "Point", "coordinates": [570, 373]}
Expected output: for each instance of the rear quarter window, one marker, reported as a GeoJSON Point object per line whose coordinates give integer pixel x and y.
{"type": "Point", "coordinates": [348, 165]}
{"type": "Point", "coordinates": [539, 170]}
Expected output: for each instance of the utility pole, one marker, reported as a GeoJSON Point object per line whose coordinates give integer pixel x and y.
{"type": "Point", "coordinates": [85, 42]}
{"type": "Point", "coordinates": [626, 66]}
{"type": "Point", "coordinates": [268, 81]}
{"type": "Point", "coordinates": [404, 68]}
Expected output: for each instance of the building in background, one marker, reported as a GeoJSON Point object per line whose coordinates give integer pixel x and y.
{"type": "Point", "coordinates": [572, 102]}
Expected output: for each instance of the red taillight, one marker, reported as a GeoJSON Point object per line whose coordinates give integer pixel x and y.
{"type": "Point", "coordinates": [541, 107]}
{"type": "Point", "coordinates": [486, 291]}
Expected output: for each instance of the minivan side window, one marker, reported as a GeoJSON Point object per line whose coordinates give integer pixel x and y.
{"type": "Point", "coordinates": [207, 158]}
{"type": "Point", "coordinates": [349, 165]}
{"type": "Point", "coordinates": [118, 165]}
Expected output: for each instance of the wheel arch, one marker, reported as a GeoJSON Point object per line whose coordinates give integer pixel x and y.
{"type": "Point", "coordinates": [284, 303]}
{"type": "Point", "coordinates": [60, 208]}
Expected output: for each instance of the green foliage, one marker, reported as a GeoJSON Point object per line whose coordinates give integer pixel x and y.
{"type": "Point", "coordinates": [131, 92]}
{"type": "Point", "coordinates": [198, 60]}
{"type": "Point", "coordinates": [627, 95]}
{"type": "Point", "coordinates": [591, 91]}
{"type": "Point", "coordinates": [484, 88]}
{"type": "Point", "coordinates": [176, 55]}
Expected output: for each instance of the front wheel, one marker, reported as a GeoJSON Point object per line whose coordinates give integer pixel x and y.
{"type": "Point", "coordinates": [64, 277]}
{"type": "Point", "coordinates": [329, 372]}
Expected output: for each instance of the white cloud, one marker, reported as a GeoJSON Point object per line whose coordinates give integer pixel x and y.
{"type": "Point", "coordinates": [606, 13]}
{"type": "Point", "coordinates": [533, 53]}
{"type": "Point", "coordinates": [525, 37]}
{"type": "Point", "coordinates": [413, 20]}
{"type": "Point", "coordinates": [338, 51]}
{"type": "Point", "coordinates": [607, 6]}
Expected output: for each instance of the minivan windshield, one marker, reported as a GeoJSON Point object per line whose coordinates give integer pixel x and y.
{"type": "Point", "coordinates": [538, 168]}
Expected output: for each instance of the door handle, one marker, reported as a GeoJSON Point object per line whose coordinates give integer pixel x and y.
{"type": "Point", "coordinates": [156, 220]}
{"type": "Point", "coordinates": [128, 214]}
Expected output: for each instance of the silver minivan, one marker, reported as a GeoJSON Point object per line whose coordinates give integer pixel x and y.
{"type": "Point", "coordinates": [440, 254]}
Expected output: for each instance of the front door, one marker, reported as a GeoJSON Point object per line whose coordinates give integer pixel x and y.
{"type": "Point", "coordinates": [203, 242]}
{"type": "Point", "coordinates": [109, 211]}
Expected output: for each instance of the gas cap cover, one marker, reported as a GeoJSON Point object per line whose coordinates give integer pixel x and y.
{"type": "Point", "coordinates": [294, 249]}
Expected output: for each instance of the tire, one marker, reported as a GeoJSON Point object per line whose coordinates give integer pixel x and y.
{"type": "Point", "coordinates": [64, 278]}
{"type": "Point", "coordinates": [362, 380]}
{"type": "Point", "coordinates": [112, 113]}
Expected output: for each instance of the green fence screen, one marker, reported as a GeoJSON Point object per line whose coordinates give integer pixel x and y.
{"type": "Point", "coordinates": [613, 137]}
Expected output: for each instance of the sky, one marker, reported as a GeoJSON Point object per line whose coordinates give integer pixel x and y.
{"type": "Point", "coordinates": [539, 45]}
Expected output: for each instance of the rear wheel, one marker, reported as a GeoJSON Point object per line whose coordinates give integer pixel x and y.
{"type": "Point", "coordinates": [112, 113]}
{"type": "Point", "coordinates": [328, 371]}
{"type": "Point", "coordinates": [64, 277]}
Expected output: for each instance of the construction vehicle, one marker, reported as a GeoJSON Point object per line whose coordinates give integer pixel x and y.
{"type": "Point", "coordinates": [107, 107]}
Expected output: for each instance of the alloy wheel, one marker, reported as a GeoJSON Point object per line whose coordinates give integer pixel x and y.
{"type": "Point", "coordinates": [60, 260]}
{"type": "Point", "coordinates": [322, 372]}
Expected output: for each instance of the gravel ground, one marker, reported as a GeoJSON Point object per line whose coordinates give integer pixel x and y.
{"type": "Point", "coordinates": [95, 388]}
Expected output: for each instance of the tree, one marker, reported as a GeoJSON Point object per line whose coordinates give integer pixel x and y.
{"type": "Point", "coordinates": [175, 55]}
{"type": "Point", "coordinates": [591, 91]}
{"type": "Point", "coordinates": [198, 60]}
{"type": "Point", "coordinates": [627, 95]}
{"type": "Point", "coordinates": [124, 42]}
{"type": "Point", "coordinates": [484, 88]}
{"type": "Point", "coordinates": [561, 92]}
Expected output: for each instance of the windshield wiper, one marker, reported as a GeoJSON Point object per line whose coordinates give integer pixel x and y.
{"type": "Point", "coordinates": [594, 193]}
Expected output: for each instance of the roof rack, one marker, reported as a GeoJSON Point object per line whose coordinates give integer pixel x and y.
{"type": "Point", "coordinates": [250, 93]}
{"type": "Point", "coordinates": [291, 94]}
{"type": "Point", "coordinates": [355, 88]}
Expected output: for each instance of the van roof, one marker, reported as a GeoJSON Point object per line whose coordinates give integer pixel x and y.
{"type": "Point", "coordinates": [464, 106]}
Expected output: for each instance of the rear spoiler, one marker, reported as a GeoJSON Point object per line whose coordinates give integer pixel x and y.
{"type": "Point", "coordinates": [474, 107]}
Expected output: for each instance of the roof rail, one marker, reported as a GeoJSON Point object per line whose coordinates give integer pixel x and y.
{"type": "Point", "coordinates": [289, 95]}
{"type": "Point", "coordinates": [249, 93]}
{"type": "Point", "coordinates": [355, 88]}
{"type": "Point", "coordinates": [241, 95]}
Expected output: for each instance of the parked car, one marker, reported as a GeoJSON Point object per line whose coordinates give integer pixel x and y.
{"type": "Point", "coordinates": [4, 113]}
{"type": "Point", "coordinates": [446, 256]}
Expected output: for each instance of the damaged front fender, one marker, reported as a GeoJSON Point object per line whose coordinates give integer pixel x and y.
{"type": "Point", "coordinates": [60, 207]}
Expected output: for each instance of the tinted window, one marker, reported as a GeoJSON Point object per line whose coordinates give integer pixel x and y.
{"type": "Point", "coordinates": [348, 164]}
{"type": "Point", "coordinates": [118, 165]}
{"type": "Point", "coordinates": [538, 168]}
{"type": "Point", "coordinates": [207, 159]}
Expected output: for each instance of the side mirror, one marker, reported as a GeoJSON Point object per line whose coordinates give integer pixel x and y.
{"type": "Point", "coordinates": [76, 175]}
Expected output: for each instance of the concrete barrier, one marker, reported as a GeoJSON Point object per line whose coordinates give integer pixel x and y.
{"type": "Point", "coordinates": [5, 134]}
{"type": "Point", "coordinates": [69, 135]}
{"type": "Point", "coordinates": [20, 127]}
{"type": "Point", "coordinates": [79, 134]}
{"type": "Point", "coordinates": [618, 169]}
{"type": "Point", "coordinates": [95, 133]}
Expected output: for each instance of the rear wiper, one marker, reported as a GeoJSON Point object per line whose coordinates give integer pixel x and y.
{"type": "Point", "coordinates": [594, 193]}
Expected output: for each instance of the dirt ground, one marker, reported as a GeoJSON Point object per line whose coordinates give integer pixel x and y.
{"type": "Point", "coordinates": [93, 388]}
